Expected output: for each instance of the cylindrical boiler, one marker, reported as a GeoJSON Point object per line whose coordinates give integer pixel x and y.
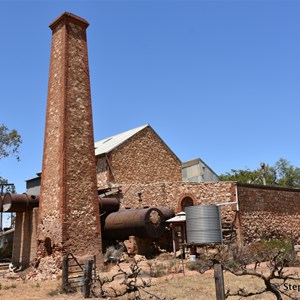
{"type": "Point", "coordinates": [140, 222]}
{"type": "Point", "coordinates": [168, 212]}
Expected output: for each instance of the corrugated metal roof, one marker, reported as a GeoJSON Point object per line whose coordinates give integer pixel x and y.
{"type": "Point", "coordinates": [108, 144]}
{"type": "Point", "coordinates": [180, 217]}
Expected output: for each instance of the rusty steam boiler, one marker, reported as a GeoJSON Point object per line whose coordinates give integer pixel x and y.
{"type": "Point", "coordinates": [140, 222]}
{"type": "Point", "coordinates": [117, 224]}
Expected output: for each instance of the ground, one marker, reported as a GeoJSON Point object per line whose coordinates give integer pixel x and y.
{"type": "Point", "coordinates": [175, 284]}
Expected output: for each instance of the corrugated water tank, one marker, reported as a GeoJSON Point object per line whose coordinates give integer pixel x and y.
{"type": "Point", "coordinates": [203, 224]}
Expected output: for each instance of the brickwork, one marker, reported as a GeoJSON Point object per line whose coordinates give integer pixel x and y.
{"type": "Point", "coordinates": [24, 243]}
{"type": "Point", "coordinates": [69, 212]}
{"type": "Point", "coordinates": [267, 212]}
{"type": "Point", "coordinates": [142, 158]}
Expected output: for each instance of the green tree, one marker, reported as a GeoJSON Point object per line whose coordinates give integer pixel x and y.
{"type": "Point", "coordinates": [281, 174]}
{"type": "Point", "coordinates": [10, 141]}
{"type": "Point", "coordinates": [287, 175]}
{"type": "Point", "coordinates": [245, 176]}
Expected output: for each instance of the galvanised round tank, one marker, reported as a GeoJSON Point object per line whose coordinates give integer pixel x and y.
{"type": "Point", "coordinates": [203, 224]}
{"type": "Point", "coordinates": [140, 222]}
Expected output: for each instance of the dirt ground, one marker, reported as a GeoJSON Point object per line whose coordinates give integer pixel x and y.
{"type": "Point", "coordinates": [172, 283]}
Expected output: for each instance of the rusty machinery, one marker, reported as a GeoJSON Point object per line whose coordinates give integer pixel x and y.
{"type": "Point", "coordinates": [140, 222]}
{"type": "Point", "coordinates": [117, 224]}
{"type": "Point", "coordinates": [23, 202]}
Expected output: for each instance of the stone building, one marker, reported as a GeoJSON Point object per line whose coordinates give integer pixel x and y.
{"type": "Point", "coordinates": [138, 156]}
{"type": "Point", "coordinates": [141, 170]}
{"type": "Point", "coordinates": [135, 166]}
{"type": "Point", "coordinates": [135, 156]}
{"type": "Point", "coordinates": [249, 212]}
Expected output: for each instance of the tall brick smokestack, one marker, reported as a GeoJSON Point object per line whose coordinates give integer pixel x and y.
{"type": "Point", "coordinates": [69, 218]}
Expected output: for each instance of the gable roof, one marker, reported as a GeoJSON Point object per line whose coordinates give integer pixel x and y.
{"type": "Point", "coordinates": [108, 144]}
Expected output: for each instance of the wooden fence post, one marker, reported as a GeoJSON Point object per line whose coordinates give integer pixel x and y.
{"type": "Point", "coordinates": [65, 274]}
{"type": "Point", "coordinates": [219, 281]}
{"type": "Point", "coordinates": [87, 278]}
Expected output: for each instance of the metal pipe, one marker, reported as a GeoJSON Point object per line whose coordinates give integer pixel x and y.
{"type": "Point", "coordinates": [237, 198]}
{"type": "Point", "coordinates": [22, 202]}
{"type": "Point", "coordinates": [226, 203]}
{"type": "Point", "coordinates": [229, 203]}
{"type": "Point", "coordinates": [19, 202]}
{"type": "Point", "coordinates": [108, 205]}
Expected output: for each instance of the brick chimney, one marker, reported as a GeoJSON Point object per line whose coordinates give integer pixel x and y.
{"type": "Point", "coordinates": [69, 219]}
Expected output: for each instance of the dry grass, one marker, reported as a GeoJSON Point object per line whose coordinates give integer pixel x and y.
{"type": "Point", "coordinates": [201, 286]}
{"type": "Point", "coordinates": [182, 287]}
{"type": "Point", "coordinates": [19, 290]}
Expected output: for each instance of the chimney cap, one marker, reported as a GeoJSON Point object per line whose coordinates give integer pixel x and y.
{"type": "Point", "coordinates": [67, 17]}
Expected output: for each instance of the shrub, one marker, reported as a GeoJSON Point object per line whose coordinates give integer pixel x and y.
{"type": "Point", "coordinates": [156, 269]}
{"type": "Point", "coordinates": [113, 254]}
{"type": "Point", "coordinates": [53, 293]}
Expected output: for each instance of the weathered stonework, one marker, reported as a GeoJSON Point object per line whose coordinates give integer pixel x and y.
{"type": "Point", "coordinates": [267, 212]}
{"type": "Point", "coordinates": [69, 210]}
{"type": "Point", "coordinates": [143, 158]}
{"type": "Point", "coordinates": [263, 212]}
{"type": "Point", "coordinates": [102, 172]}
{"type": "Point", "coordinates": [172, 194]}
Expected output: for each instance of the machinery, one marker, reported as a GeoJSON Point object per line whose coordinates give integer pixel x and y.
{"type": "Point", "coordinates": [118, 224]}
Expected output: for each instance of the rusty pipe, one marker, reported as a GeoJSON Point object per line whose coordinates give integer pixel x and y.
{"type": "Point", "coordinates": [22, 202]}
{"type": "Point", "coordinates": [108, 205]}
{"type": "Point", "coordinates": [19, 202]}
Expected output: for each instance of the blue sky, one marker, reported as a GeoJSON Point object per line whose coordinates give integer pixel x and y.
{"type": "Point", "coordinates": [219, 80]}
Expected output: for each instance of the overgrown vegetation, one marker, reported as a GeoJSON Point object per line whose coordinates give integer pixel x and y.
{"type": "Point", "coordinates": [279, 255]}
{"type": "Point", "coordinates": [129, 283]}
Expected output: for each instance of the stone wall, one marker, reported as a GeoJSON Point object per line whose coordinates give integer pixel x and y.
{"type": "Point", "coordinates": [171, 194]}
{"type": "Point", "coordinates": [267, 212]}
{"type": "Point", "coordinates": [102, 172]}
{"type": "Point", "coordinates": [144, 158]}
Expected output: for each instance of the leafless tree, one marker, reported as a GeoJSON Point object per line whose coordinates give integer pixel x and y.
{"type": "Point", "coordinates": [275, 279]}
{"type": "Point", "coordinates": [131, 283]}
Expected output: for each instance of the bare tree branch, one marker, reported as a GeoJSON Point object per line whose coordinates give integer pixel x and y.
{"type": "Point", "coordinates": [132, 283]}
